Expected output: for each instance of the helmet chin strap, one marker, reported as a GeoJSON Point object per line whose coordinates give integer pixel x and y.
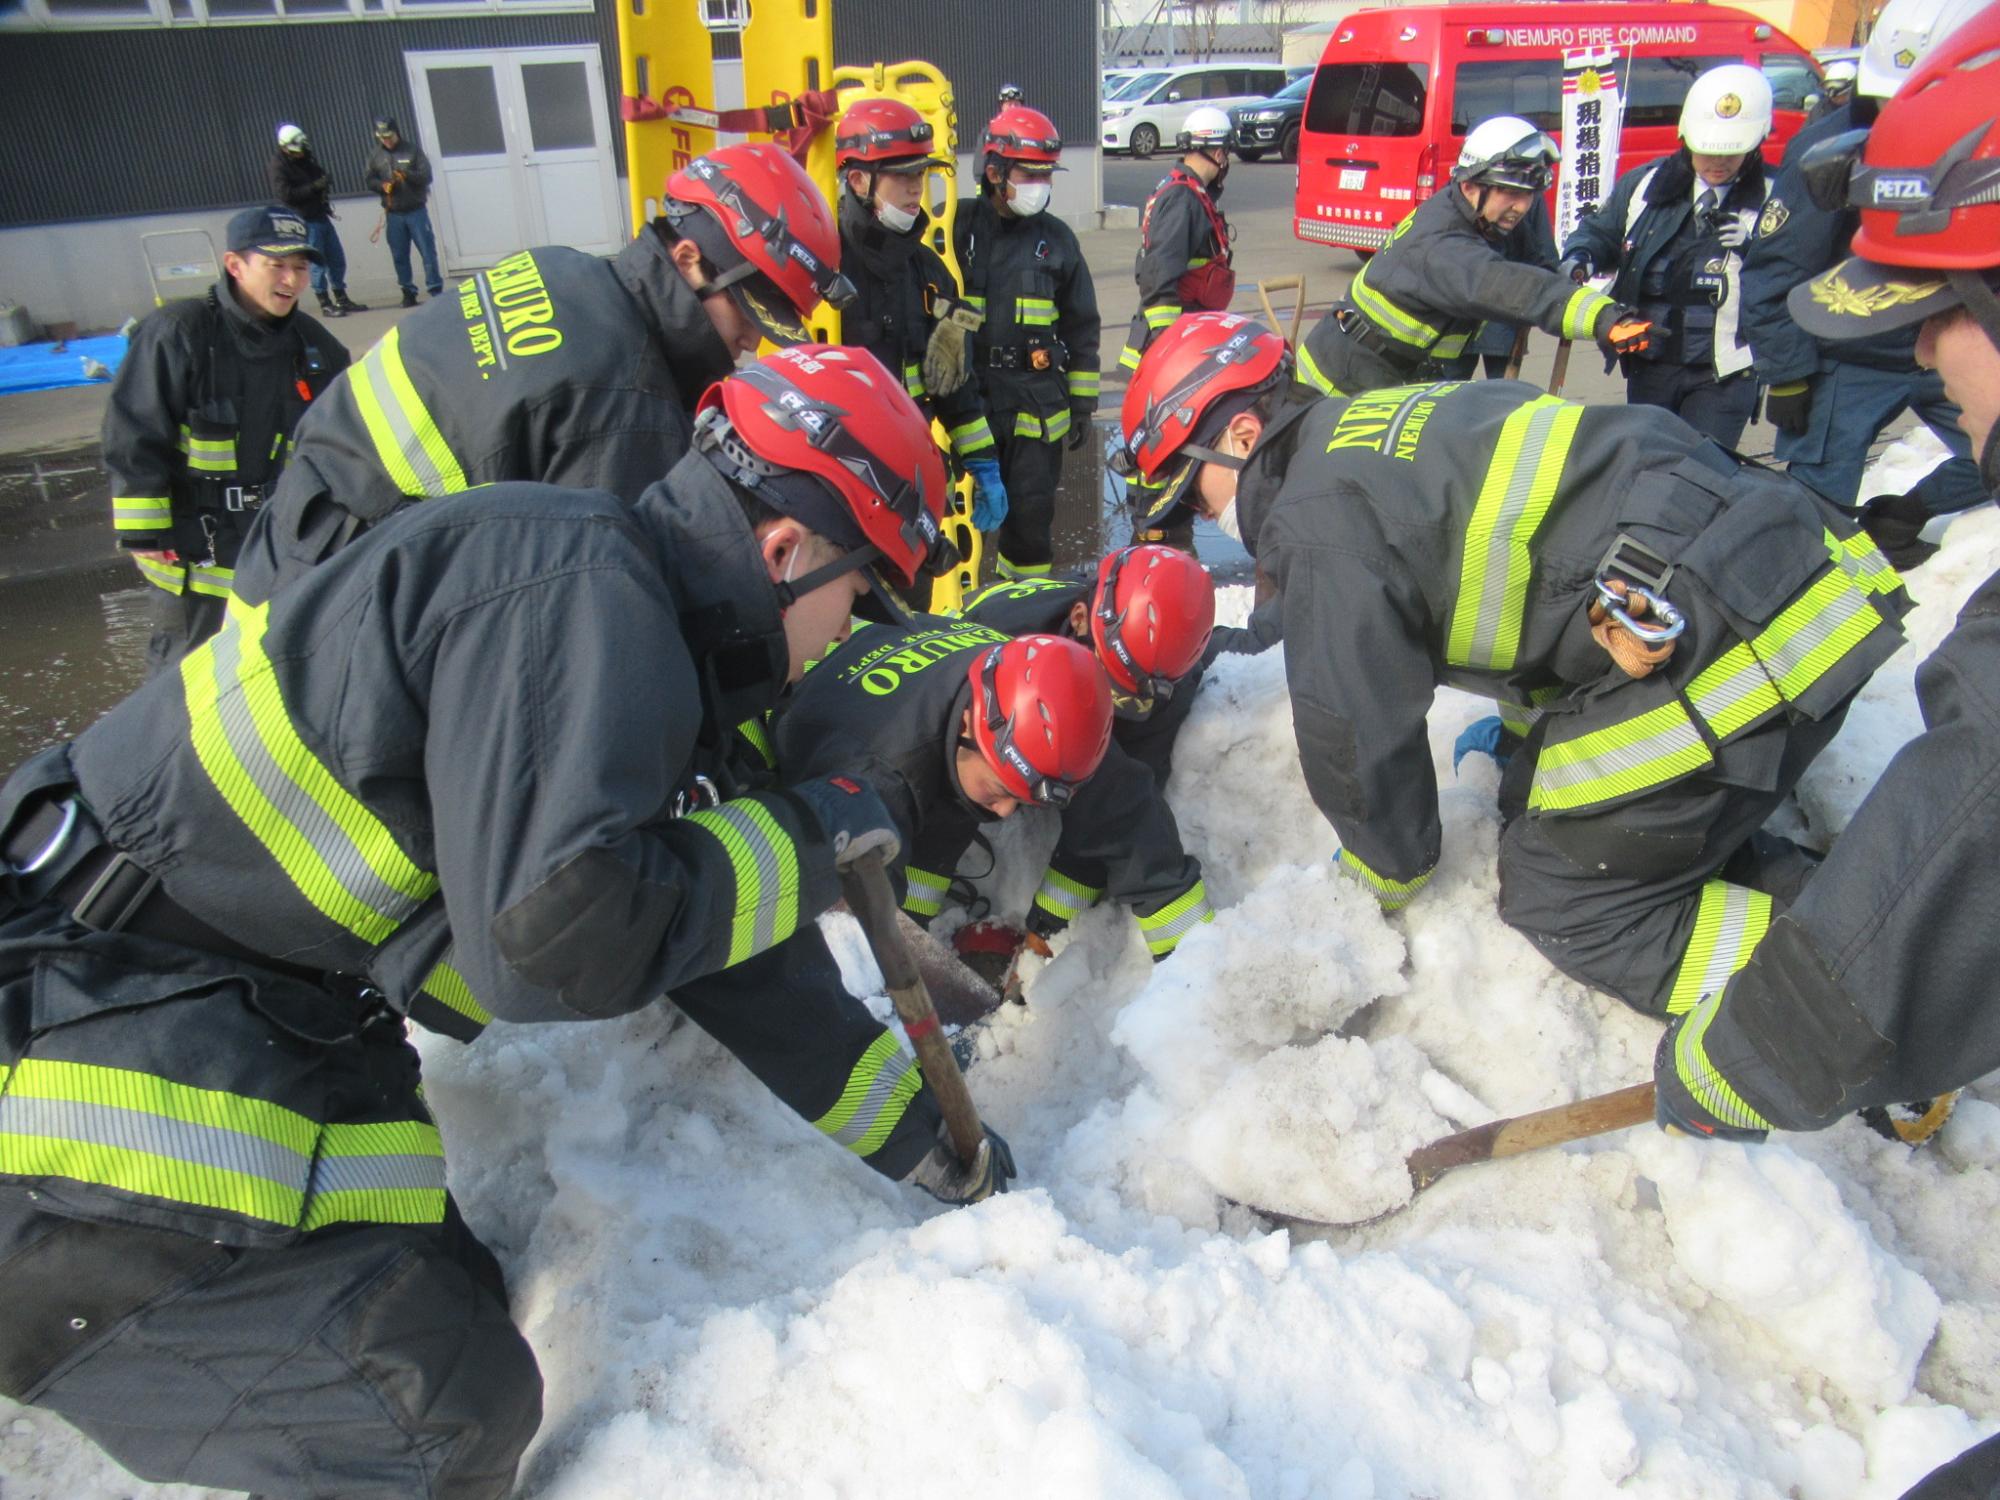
{"type": "Point", "coordinates": [791, 590]}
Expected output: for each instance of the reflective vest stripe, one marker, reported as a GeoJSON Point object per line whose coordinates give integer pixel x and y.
{"type": "Point", "coordinates": [337, 853]}
{"type": "Point", "coordinates": [209, 455]}
{"type": "Point", "coordinates": [1815, 631]}
{"type": "Point", "coordinates": [386, 1172]}
{"type": "Point", "coordinates": [1729, 923]}
{"type": "Point", "coordinates": [1047, 429]}
{"type": "Point", "coordinates": [1698, 1075]}
{"type": "Point", "coordinates": [1009, 569]}
{"type": "Point", "coordinates": [1647, 750]}
{"type": "Point", "coordinates": [1063, 897]}
{"type": "Point", "coordinates": [766, 900]}
{"type": "Point", "coordinates": [142, 513]}
{"type": "Point", "coordinates": [1391, 319]}
{"type": "Point", "coordinates": [1863, 561]}
{"type": "Point", "coordinates": [924, 891]}
{"type": "Point", "coordinates": [1514, 499]}
{"type": "Point", "coordinates": [1581, 312]}
{"type": "Point", "coordinates": [1034, 312]}
{"type": "Point", "coordinates": [1084, 385]}
{"type": "Point", "coordinates": [407, 440]}
{"type": "Point", "coordinates": [170, 576]}
{"type": "Point", "coordinates": [211, 579]}
{"type": "Point", "coordinates": [1161, 315]}
{"type": "Point", "coordinates": [1393, 894]}
{"type": "Point", "coordinates": [1733, 691]}
{"type": "Point", "coordinates": [141, 1134]}
{"type": "Point", "coordinates": [969, 437]}
{"type": "Point", "coordinates": [878, 1090]}
{"type": "Point", "coordinates": [1309, 372]}
{"type": "Point", "coordinates": [1164, 928]}
{"type": "Point", "coordinates": [1451, 345]}
{"type": "Point", "coordinates": [1128, 358]}
{"type": "Point", "coordinates": [448, 987]}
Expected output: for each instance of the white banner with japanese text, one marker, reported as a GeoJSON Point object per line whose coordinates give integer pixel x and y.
{"type": "Point", "coordinates": [1592, 112]}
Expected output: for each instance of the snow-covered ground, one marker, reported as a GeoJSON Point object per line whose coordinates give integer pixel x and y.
{"type": "Point", "coordinates": [726, 1306]}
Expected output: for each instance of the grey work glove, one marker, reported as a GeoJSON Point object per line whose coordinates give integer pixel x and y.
{"type": "Point", "coordinates": [949, 1180]}
{"type": "Point", "coordinates": [851, 817]}
{"type": "Point", "coordinates": [947, 357]}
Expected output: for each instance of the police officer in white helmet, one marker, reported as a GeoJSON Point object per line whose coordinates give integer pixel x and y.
{"type": "Point", "coordinates": [1671, 234]}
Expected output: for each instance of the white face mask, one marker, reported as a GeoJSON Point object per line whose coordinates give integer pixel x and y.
{"type": "Point", "coordinates": [1029, 199]}
{"type": "Point", "coordinates": [1226, 524]}
{"type": "Point", "coordinates": [895, 220]}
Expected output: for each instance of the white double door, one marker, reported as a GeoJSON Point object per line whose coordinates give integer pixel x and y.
{"type": "Point", "coordinates": [520, 144]}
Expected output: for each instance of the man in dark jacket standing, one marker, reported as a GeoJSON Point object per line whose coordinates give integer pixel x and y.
{"type": "Point", "coordinates": [1690, 629]}
{"type": "Point", "coordinates": [401, 173]}
{"type": "Point", "coordinates": [201, 417]}
{"type": "Point", "coordinates": [300, 183]}
{"type": "Point", "coordinates": [1037, 351]}
{"type": "Point", "coordinates": [559, 366]}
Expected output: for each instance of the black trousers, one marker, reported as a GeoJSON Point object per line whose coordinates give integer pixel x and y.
{"type": "Point", "coordinates": [1031, 468]}
{"type": "Point", "coordinates": [1716, 408]}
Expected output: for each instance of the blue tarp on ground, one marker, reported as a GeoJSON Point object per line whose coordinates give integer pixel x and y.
{"type": "Point", "coordinates": [37, 367]}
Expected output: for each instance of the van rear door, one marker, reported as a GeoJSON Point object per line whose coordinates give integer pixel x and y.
{"type": "Point", "coordinates": [1361, 148]}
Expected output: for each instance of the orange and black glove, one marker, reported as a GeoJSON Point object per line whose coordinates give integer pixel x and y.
{"type": "Point", "coordinates": [1620, 330]}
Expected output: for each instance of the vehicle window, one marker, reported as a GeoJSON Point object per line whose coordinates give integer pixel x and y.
{"type": "Point", "coordinates": [1223, 84]}
{"type": "Point", "coordinates": [1187, 85]}
{"type": "Point", "coordinates": [1792, 79]}
{"type": "Point", "coordinates": [1296, 89]}
{"type": "Point", "coordinates": [1656, 86]}
{"type": "Point", "coordinates": [1267, 81]}
{"type": "Point", "coordinates": [1368, 98]}
{"type": "Point", "coordinates": [1134, 88]}
{"type": "Point", "coordinates": [1530, 87]}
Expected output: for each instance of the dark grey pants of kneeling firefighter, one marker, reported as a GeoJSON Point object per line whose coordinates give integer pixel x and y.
{"type": "Point", "coordinates": [1612, 898]}
{"type": "Point", "coordinates": [363, 1363]}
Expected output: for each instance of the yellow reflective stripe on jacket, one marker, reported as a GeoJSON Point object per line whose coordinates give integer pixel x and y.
{"type": "Point", "coordinates": [1403, 327]}
{"type": "Point", "coordinates": [169, 576]}
{"type": "Point", "coordinates": [1034, 312]}
{"type": "Point", "coordinates": [766, 865]}
{"type": "Point", "coordinates": [142, 513]}
{"type": "Point", "coordinates": [1647, 750]}
{"type": "Point", "coordinates": [924, 891]}
{"type": "Point", "coordinates": [1814, 631]}
{"type": "Point", "coordinates": [978, 304]}
{"type": "Point", "coordinates": [1580, 313]}
{"type": "Point", "coordinates": [1084, 385]}
{"type": "Point", "coordinates": [1062, 897]}
{"type": "Point", "coordinates": [1164, 928]}
{"type": "Point", "coordinates": [970, 437]}
{"type": "Point", "coordinates": [447, 986]}
{"type": "Point", "coordinates": [209, 455]}
{"type": "Point", "coordinates": [879, 1089]}
{"type": "Point", "coordinates": [388, 1172]}
{"type": "Point", "coordinates": [1862, 561]}
{"type": "Point", "coordinates": [1049, 429]}
{"type": "Point", "coordinates": [1161, 315]}
{"type": "Point", "coordinates": [121, 1129]}
{"type": "Point", "coordinates": [1514, 499]}
{"type": "Point", "coordinates": [1308, 372]}
{"type": "Point", "coordinates": [1128, 358]}
{"type": "Point", "coordinates": [759, 739]}
{"type": "Point", "coordinates": [1734, 691]}
{"type": "Point", "coordinates": [1393, 894]}
{"type": "Point", "coordinates": [913, 379]}
{"type": "Point", "coordinates": [1452, 345]}
{"type": "Point", "coordinates": [1009, 569]}
{"type": "Point", "coordinates": [339, 855]}
{"type": "Point", "coordinates": [1699, 1076]}
{"type": "Point", "coordinates": [407, 441]}
{"type": "Point", "coordinates": [211, 579]}
{"type": "Point", "coordinates": [1729, 923]}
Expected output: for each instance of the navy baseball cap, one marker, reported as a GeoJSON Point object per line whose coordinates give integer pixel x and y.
{"type": "Point", "coordinates": [270, 231]}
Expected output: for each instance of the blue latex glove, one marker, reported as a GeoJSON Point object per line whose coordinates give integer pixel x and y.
{"type": "Point", "coordinates": [989, 495]}
{"type": "Point", "coordinates": [1486, 736]}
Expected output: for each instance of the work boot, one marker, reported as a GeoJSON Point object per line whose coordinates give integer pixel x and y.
{"type": "Point", "coordinates": [347, 303]}
{"type": "Point", "coordinates": [328, 308]}
{"type": "Point", "coordinates": [409, 299]}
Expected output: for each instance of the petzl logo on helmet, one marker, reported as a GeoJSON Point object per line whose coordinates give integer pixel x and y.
{"type": "Point", "coordinates": [1901, 190]}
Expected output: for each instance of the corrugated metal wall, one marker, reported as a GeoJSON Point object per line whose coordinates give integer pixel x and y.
{"type": "Point", "coordinates": [101, 124]}
{"type": "Point", "coordinates": [1048, 47]}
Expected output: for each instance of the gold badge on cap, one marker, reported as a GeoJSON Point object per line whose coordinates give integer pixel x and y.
{"type": "Point", "coordinates": [1832, 292]}
{"type": "Point", "coordinates": [1729, 106]}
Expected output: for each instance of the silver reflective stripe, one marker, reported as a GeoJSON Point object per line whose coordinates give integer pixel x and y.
{"type": "Point", "coordinates": [882, 1092]}
{"type": "Point", "coordinates": [211, 1146]}
{"type": "Point", "coordinates": [329, 841]}
{"type": "Point", "coordinates": [1794, 653]}
{"type": "Point", "coordinates": [353, 1174]}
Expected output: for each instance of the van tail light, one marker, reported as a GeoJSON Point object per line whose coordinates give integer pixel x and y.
{"type": "Point", "coordinates": [1427, 171]}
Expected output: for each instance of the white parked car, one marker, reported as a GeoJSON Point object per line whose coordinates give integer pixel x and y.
{"type": "Point", "coordinates": [1143, 119]}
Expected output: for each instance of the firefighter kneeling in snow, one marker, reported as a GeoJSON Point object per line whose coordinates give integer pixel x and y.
{"type": "Point", "coordinates": [230, 1254]}
{"type": "Point", "coordinates": [1690, 629]}
{"type": "Point", "coordinates": [1147, 614]}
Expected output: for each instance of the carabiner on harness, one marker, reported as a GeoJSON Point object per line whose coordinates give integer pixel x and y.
{"type": "Point", "coordinates": [1663, 622]}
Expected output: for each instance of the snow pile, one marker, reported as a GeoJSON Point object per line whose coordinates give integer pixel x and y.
{"type": "Point", "coordinates": [724, 1305]}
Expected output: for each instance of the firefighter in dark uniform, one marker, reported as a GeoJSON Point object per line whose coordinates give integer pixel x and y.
{"type": "Point", "coordinates": [1183, 263]}
{"type": "Point", "coordinates": [219, 1182]}
{"type": "Point", "coordinates": [1876, 987]}
{"type": "Point", "coordinates": [1422, 297]}
{"type": "Point", "coordinates": [1671, 232]}
{"type": "Point", "coordinates": [201, 419]}
{"type": "Point", "coordinates": [1037, 352]}
{"type": "Point", "coordinates": [1691, 630]}
{"type": "Point", "coordinates": [558, 366]}
{"type": "Point", "coordinates": [907, 309]}
{"type": "Point", "coordinates": [1147, 612]}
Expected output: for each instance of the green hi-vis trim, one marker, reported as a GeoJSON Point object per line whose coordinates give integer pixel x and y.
{"type": "Point", "coordinates": [1729, 923]}
{"type": "Point", "coordinates": [1063, 897]}
{"type": "Point", "coordinates": [1393, 894]}
{"type": "Point", "coordinates": [407, 441]}
{"type": "Point", "coordinates": [1164, 928]}
{"type": "Point", "coordinates": [766, 864]}
{"type": "Point", "coordinates": [339, 855]}
{"type": "Point", "coordinates": [1514, 499]}
{"type": "Point", "coordinates": [142, 513]}
{"type": "Point", "coordinates": [878, 1090]}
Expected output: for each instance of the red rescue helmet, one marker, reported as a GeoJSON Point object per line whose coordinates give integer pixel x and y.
{"type": "Point", "coordinates": [829, 437]}
{"type": "Point", "coordinates": [1023, 135]}
{"type": "Point", "coordinates": [765, 228]}
{"type": "Point", "coordinates": [1041, 716]}
{"type": "Point", "coordinates": [1150, 619]}
{"type": "Point", "coordinates": [1204, 369]}
{"type": "Point", "coordinates": [884, 135]}
{"type": "Point", "coordinates": [1926, 180]}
